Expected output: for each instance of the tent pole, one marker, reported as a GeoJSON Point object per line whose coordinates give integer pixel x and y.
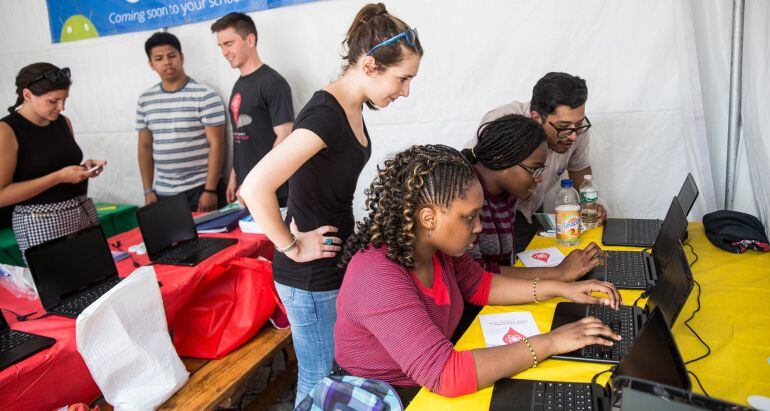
{"type": "Point", "coordinates": [734, 119]}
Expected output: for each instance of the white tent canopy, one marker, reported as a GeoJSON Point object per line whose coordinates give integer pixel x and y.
{"type": "Point", "coordinates": [657, 72]}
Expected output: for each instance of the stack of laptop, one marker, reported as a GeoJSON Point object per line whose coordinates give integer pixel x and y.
{"type": "Point", "coordinates": [638, 269]}
{"type": "Point", "coordinates": [169, 234]}
{"type": "Point", "coordinates": [640, 232]}
{"type": "Point", "coordinates": [72, 271]}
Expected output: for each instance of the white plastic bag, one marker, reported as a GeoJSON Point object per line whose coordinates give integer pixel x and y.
{"type": "Point", "coordinates": [124, 340]}
{"type": "Point", "coordinates": [18, 280]}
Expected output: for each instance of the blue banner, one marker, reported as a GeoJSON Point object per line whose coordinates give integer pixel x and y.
{"type": "Point", "coordinates": [73, 20]}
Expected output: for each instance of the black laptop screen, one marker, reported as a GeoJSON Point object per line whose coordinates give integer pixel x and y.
{"type": "Point", "coordinates": [672, 230]}
{"type": "Point", "coordinates": [654, 356]}
{"type": "Point", "coordinates": [3, 324]}
{"type": "Point", "coordinates": [67, 264]}
{"type": "Point", "coordinates": [687, 194]}
{"type": "Point", "coordinates": [165, 223]}
{"type": "Point", "coordinates": [673, 287]}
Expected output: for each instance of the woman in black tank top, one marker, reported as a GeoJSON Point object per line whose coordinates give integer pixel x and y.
{"type": "Point", "coordinates": [40, 162]}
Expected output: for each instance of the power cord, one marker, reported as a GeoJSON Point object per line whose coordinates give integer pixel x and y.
{"type": "Point", "coordinates": [24, 317]}
{"type": "Point", "coordinates": [117, 245]}
{"type": "Point", "coordinates": [697, 308]}
{"type": "Point", "coordinates": [699, 384]}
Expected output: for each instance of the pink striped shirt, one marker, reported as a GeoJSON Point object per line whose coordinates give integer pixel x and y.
{"type": "Point", "coordinates": [392, 328]}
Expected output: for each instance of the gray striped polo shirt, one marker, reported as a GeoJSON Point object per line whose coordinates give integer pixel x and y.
{"type": "Point", "coordinates": [179, 145]}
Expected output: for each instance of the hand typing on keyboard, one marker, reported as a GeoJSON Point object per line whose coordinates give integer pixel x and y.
{"type": "Point", "coordinates": [581, 292]}
{"type": "Point", "coordinates": [580, 262]}
{"type": "Point", "coordinates": [586, 331]}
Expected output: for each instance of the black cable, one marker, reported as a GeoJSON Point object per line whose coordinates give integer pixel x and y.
{"type": "Point", "coordinates": [692, 250]}
{"type": "Point", "coordinates": [699, 384]}
{"type": "Point", "coordinates": [593, 380]}
{"type": "Point", "coordinates": [697, 308]}
{"type": "Point", "coordinates": [117, 245]}
{"type": "Point", "coordinates": [24, 317]}
{"type": "Point", "coordinates": [644, 294]}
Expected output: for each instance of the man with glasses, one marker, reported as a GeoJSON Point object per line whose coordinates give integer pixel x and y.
{"type": "Point", "coordinates": [558, 104]}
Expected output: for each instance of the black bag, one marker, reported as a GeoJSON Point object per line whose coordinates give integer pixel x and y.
{"type": "Point", "coordinates": [735, 232]}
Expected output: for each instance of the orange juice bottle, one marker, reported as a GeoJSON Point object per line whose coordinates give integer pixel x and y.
{"type": "Point", "coordinates": [567, 215]}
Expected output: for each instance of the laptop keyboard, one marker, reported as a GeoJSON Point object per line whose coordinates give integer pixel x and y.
{"type": "Point", "coordinates": [642, 231]}
{"type": "Point", "coordinates": [562, 396]}
{"type": "Point", "coordinates": [74, 306]}
{"type": "Point", "coordinates": [12, 339]}
{"type": "Point", "coordinates": [626, 269]}
{"type": "Point", "coordinates": [184, 251]}
{"type": "Point", "coordinates": [621, 322]}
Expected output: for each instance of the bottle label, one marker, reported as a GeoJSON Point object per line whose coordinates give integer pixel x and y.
{"type": "Point", "coordinates": [589, 196]}
{"type": "Point", "coordinates": [567, 222]}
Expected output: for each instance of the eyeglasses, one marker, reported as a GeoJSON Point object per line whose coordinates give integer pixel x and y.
{"type": "Point", "coordinates": [53, 75]}
{"type": "Point", "coordinates": [536, 172]}
{"type": "Point", "coordinates": [409, 36]}
{"type": "Point", "coordinates": [566, 132]}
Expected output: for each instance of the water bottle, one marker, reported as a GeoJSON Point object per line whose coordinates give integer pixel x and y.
{"type": "Point", "coordinates": [567, 215]}
{"type": "Point", "coordinates": [589, 203]}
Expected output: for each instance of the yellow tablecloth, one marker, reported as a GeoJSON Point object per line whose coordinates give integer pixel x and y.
{"type": "Point", "coordinates": [734, 320]}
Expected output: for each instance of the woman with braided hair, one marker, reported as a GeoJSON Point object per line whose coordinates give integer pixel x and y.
{"type": "Point", "coordinates": [322, 159]}
{"type": "Point", "coordinates": [407, 277]}
{"type": "Point", "coordinates": [509, 157]}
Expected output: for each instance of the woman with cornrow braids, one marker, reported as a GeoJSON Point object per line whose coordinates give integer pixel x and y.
{"type": "Point", "coordinates": [407, 277]}
{"type": "Point", "coordinates": [322, 159]}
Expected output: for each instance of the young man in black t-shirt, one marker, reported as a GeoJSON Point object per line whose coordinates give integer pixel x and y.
{"type": "Point", "coordinates": [261, 110]}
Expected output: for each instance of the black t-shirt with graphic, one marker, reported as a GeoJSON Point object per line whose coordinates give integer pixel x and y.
{"type": "Point", "coordinates": [259, 101]}
{"type": "Point", "coordinates": [321, 191]}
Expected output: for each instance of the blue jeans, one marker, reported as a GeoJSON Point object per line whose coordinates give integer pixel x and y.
{"type": "Point", "coordinates": [312, 315]}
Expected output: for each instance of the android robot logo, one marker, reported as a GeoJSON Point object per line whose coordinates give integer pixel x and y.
{"type": "Point", "coordinates": [78, 27]}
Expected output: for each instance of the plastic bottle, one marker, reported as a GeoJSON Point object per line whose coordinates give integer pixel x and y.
{"type": "Point", "coordinates": [589, 203]}
{"type": "Point", "coordinates": [567, 215]}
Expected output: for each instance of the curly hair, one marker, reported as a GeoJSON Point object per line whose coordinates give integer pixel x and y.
{"type": "Point", "coordinates": [420, 176]}
{"type": "Point", "coordinates": [505, 142]}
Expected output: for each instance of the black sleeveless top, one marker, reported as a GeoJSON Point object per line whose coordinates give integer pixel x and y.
{"type": "Point", "coordinates": [43, 150]}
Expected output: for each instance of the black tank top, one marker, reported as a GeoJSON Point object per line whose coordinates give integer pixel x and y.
{"type": "Point", "coordinates": [43, 150]}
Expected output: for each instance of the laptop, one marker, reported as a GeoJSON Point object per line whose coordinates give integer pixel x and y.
{"type": "Point", "coordinates": [669, 294]}
{"type": "Point", "coordinates": [640, 232]}
{"type": "Point", "coordinates": [636, 394]}
{"type": "Point", "coordinates": [170, 236]}
{"type": "Point", "coordinates": [638, 269]}
{"type": "Point", "coordinates": [18, 345]}
{"type": "Point", "coordinates": [654, 356]}
{"type": "Point", "coordinates": [72, 271]}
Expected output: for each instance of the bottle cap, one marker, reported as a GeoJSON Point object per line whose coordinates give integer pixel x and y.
{"type": "Point", "coordinates": [566, 183]}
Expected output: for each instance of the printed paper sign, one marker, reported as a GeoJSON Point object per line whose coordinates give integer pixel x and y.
{"type": "Point", "coordinates": [507, 328]}
{"type": "Point", "coordinates": [546, 257]}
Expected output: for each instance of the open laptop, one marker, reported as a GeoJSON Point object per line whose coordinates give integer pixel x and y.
{"type": "Point", "coordinates": [17, 345]}
{"type": "Point", "coordinates": [640, 232]}
{"type": "Point", "coordinates": [637, 394]}
{"type": "Point", "coordinates": [654, 356]}
{"type": "Point", "coordinates": [669, 294]}
{"type": "Point", "coordinates": [170, 236]}
{"type": "Point", "coordinates": [638, 269]}
{"type": "Point", "coordinates": [72, 271]}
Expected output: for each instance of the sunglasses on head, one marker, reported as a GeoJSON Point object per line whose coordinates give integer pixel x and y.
{"type": "Point", "coordinates": [409, 36]}
{"type": "Point", "coordinates": [53, 75]}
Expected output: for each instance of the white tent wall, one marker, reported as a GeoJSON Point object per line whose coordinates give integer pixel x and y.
{"type": "Point", "coordinates": [637, 57]}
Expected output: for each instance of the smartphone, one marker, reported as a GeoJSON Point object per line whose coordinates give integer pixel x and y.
{"type": "Point", "coordinates": [95, 168]}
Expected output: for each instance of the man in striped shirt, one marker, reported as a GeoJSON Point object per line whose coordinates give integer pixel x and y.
{"type": "Point", "coordinates": [181, 125]}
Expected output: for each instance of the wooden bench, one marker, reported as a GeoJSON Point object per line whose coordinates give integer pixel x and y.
{"type": "Point", "coordinates": [222, 382]}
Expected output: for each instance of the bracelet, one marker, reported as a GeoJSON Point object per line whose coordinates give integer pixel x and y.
{"type": "Point", "coordinates": [206, 190]}
{"type": "Point", "coordinates": [149, 190]}
{"type": "Point", "coordinates": [534, 356]}
{"type": "Point", "coordinates": [534, 289]}
{"type": "Point", "coordinates": [288, 247]}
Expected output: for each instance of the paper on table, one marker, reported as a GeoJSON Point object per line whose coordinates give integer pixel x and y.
{"type": "Point", "coordinates": [544, 257]}
{"type": "Point", "coordinates": [507, 328]}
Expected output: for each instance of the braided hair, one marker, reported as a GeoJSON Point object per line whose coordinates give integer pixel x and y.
{"type": "Point", "coordinates": [505, 142]}
{"type": "Point", "coordinates": [419, 176]}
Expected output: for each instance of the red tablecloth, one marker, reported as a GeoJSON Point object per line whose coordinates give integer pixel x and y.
{"type": "Point", "coordinates": [58, 376]}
